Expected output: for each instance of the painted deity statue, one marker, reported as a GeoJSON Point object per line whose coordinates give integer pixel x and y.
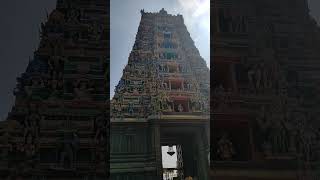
{"type": "Point", "coordinates": [225, 148]}
{"type": "Point", "coordinates": [180, 108]}
{"type": "Point", "coordinates": [83, 90]}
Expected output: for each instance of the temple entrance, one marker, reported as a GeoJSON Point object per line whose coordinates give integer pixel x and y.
{"type": "Point", "coordinates": [180, 157]}
{"type": "Point", "coordinates": [175, 163]}
{"type": "Point", "coordinates": [172, 162]}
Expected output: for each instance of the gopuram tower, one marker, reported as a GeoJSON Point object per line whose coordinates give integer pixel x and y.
{"type": "Point", "coordinates": [162, 99]}
{"type": "Point", "coordinates": [58, 126]}
{"type": "Point", "coordinates": [264, 92]}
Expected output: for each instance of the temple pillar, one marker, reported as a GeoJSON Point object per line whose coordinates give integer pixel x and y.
{"type": "Point", "coordinates": [188, 106]}
{"type": "Point", "coordinates": [182, 84]}
{"type": "Point", "coordinates": [202, 152]}
{"type": "Point", "coordinates": [157, 147]}
{"type": "Point", "coordinates": [173, 106]}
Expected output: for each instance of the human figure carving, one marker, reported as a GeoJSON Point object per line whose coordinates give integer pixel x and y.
{"type": "Point", "coordinates": [83, 90]}
{"type": "Point", "coordinates": [180, 108]}
{"type": "Point", "coordinates": [100, 139]}
{"type": "Point", "coordinates": [100, 129]}
{"type": "Point", "coordinates": [95, 31]}
{"type": "Point", "coordinates": [135, 91]}
{"type": "Point", "coordinates": [264, 125]}
{"type": "Point", "coordinates": [73, 16]}
{"type": "Point", "coordinates": [56, 66]}
{"type": "Point", "coordinates": [292, 132]}
{"type": "Point", "coordinates": [225, 148]}
{"type": "Point", "coordinates": [32, 123]}
{"type": "Point", "coordinates": [279, 137]}
{"type": "Point", "coordinates": [130, 108]}
{"type": "Point", "coordinates": [30, 147]}
{"type": "Point", "coordinates": [68, 149]}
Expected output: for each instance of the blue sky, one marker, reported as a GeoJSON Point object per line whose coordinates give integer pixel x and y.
{"type": "Point", "coordinates": [124, 21]}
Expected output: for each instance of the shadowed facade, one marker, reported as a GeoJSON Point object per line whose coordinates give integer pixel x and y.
{"type": "Point", "coordinates": [264, 101]}
{"type": "Point", "coordinates": [58, 127]}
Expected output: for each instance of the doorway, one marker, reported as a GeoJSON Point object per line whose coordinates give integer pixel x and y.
{"type": "Point", "coordinates": [181, 156]}
{"type": "Point", "coordinates": [172, 163]}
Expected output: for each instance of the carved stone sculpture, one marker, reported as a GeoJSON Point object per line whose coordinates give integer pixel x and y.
{"type": "Point", "coordinates": [180, 108]}
{"type": "Point", "coordinates": [225, 149]}
{"type": "Point", "coordinates": [68, 149]}
{"type": "Point", "coordinates": [83, 90]}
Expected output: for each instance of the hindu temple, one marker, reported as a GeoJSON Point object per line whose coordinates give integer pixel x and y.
{"type": "Point", "coordinates": [162, 99]}
{"type": "Point", "coordinates": [265, 121]}
{"type": "Point", "coordinates": [58, 126]}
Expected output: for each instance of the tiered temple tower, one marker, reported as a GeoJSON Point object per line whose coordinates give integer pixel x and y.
{"type": "Point", "coordinates": [161, 99]}
{"type": "Point", "coordinates": [58, 127]}
{"type": "Point", "coordinates": [266, 73]}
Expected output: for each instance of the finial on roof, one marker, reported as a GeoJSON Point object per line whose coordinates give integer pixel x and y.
{"type": "Point", "coordinates": [142, 11]}
{"type": "Point", "coordinates": [162, 11]}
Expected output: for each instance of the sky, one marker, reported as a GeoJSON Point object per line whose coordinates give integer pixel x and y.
{"type": "Point", "coordinates": [19, 35]}
{"type": "Point", "coordinates": [314, 6]}
{"type": "Point", "coordinates": [124, 21]}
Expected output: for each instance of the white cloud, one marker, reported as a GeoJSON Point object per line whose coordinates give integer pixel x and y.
{"type": "Point", "coordinates": [196, 15]}
{"type": "Point", "coordinates": [196, 12]}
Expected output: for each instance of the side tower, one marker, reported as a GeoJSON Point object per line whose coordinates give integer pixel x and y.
{"type": "Point", "coordinates": [264, 92]}
{"type": "Point", "coordinates": [58, 127]}
{"type": "Point", "coordinates": [161, 100]}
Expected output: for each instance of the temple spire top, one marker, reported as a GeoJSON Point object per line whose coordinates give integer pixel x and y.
{"type": "Point", "coordinates": [162, 11]}
{"type": "Point", "coordinates": [142, 11]}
